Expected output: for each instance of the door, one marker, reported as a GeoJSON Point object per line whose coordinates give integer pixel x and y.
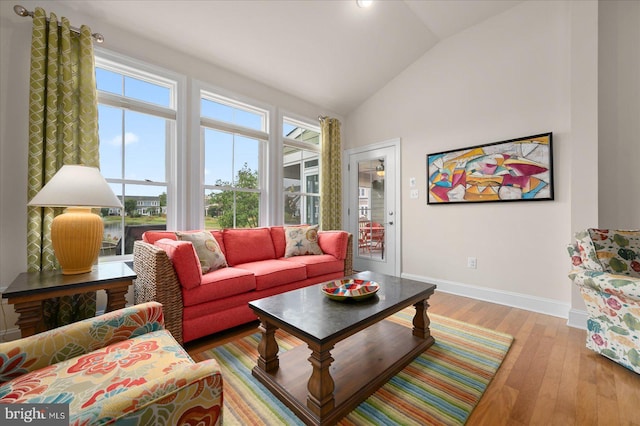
{"type": "Point", "coordinates": [373, 208]}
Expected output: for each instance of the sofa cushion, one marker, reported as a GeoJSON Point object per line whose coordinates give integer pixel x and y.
{"type": "Point", "coordinates": [208, 251]}
{"type": "Point", "coordinates": [587, 251]}
{"type": "Point", "coordinates": [330, 242]}
{"type": "Point", "coordinates": [279, 243]}
{"type": "Point", "coordinates": [184, 259]}
{"type": "Point", "coordinates": [617, 251]}
{"type": "Point", "coordinates": [219, 284]}
{"type": "Point", "coordinates": [88, 381]}
{"type": "Point", "coordinates": [248, 245]}
{"type": "Point", "coordinates": [318, 264]}
{"type": "Point", "coordinates": [274, 272]}
{"type": "Point", "coordinates": [301, 240]}
{"type": "Point", "coordinates": [152, 236]}
{"type": "Point", "coordinates": [574, 254]}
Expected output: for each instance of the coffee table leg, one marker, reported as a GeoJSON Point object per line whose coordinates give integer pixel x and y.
{"type": "Point", "coordinates": [320, 398]}
{"type": "Point", "coordinates": [268, 347]}
{"type": "Point", "coordinates": [421, 320]}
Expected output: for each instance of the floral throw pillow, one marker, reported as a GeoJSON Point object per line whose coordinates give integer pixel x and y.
{"type": "Point", "coordinates": [618, 251]}
{"type": "Point", "coordinates": [587, 251]}
{"type": "Point", "coordinates": [209, 252]}
{"type": "Point", "coordinates": [301, 240]}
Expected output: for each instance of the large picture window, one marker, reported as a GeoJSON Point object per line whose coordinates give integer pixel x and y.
{"type": "Point", "coordinates": [233, 137]}
{"type": "Point", "coordinates": [137, 130]}
{"type": "Point", "coordinates": [301, 172]}
{"type": "Point", "coordinates": [243, 165]}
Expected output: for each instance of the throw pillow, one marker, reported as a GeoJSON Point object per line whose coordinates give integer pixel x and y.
{"type": "Point", "coordinates": [301, 240]}
{"type": "Point", "coordinates": [617, 250]}
{"type": "Point", "coordinates": [587, 251]}
{"type": "Point", "coordinates": [184, 259]}
{"type": "Point", "coordinates": [209, 253]}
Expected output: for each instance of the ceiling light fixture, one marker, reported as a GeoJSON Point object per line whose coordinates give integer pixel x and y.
{"type": "Point", "coordinates": [364, 3]}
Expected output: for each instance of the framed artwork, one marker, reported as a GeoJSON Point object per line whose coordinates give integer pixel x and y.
{"type": "Point", "coordinates": [513, 170]}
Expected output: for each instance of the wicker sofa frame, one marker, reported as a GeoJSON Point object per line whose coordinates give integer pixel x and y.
{"type": "Point", "coordinates": [157, 281]}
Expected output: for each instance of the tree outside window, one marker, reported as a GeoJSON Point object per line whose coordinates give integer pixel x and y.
{"type": "Point", "coordinates": [235, 208]}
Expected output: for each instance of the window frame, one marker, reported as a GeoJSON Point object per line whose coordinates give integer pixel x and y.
{"type": "Point", "coordinates": [175, 150]}
{"type": "Point", "coordinates": [299, 121]}
{"type": "Point", "coordinates": [265, 138]}
{"type": "Point", "coordinates": [184, 169]}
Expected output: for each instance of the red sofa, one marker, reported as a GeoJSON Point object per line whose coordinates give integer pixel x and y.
{"type": "Point", "coordinates": [196, 305]}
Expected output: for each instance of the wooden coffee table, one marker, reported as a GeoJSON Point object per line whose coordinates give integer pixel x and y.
{"type": "Point", "coordinates": [367, 350]}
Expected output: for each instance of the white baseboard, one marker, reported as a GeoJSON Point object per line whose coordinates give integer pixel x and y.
{"type": "Point", "coordinates": [578, 319]}
{"type": "Point", "coordinates": [9, 335]}
{"type": "Point", "coordinates": [516, 300]}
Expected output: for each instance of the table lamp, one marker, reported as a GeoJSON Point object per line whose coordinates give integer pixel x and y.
{"type": "Point", "coordinates": [76, 235]}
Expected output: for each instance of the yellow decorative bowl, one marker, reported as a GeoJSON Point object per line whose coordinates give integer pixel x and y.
{"type": "Point", "coordinates": [350, 289]}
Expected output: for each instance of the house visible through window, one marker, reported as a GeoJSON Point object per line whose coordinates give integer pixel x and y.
{"type": "Point", "coordinates": [222, 176]}
{"type": "Point", "coordinates": [301, 172]}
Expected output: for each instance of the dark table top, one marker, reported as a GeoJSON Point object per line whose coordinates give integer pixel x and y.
{"type": "Point", "coordinates": [311, 313]}
{"type": "Point", "coordinates": [28, 283]}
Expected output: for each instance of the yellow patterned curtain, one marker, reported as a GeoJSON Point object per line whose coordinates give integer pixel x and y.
{"type": "Point", "coordinates": [331, 175]}
{"type": "Point", "coordinates": [63, 129]}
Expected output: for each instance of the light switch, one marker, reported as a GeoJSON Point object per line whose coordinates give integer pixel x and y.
{"type": "Point", "coordinates": [412, 183]}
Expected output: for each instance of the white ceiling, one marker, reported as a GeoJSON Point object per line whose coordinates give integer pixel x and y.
{"type": "Point", "coordinates": [328, 52]}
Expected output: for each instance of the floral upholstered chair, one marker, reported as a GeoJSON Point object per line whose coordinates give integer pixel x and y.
{"type": "Point", "coordinates": [119, 368]}
{"type": "Point", "coordinates": [607, 270]}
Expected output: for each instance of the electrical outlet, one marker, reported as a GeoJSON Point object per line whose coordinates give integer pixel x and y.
{"type": "Point", "coordinates": [414, 193]}
{"type": "Point", "coordinates": [472, 262]}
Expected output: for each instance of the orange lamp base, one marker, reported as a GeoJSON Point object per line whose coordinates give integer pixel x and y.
{"type": "Point", "coordinates": [76, 236]}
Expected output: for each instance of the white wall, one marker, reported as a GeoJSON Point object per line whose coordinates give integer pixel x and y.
{"type": "Point", "coordinates": [15, 40]}
{"type": "Point", "coordinates": [514, 75]}
{"type": "Point", "coordinates": [527, 71]}
{"type": "Point", "coordinates": [619, 114]}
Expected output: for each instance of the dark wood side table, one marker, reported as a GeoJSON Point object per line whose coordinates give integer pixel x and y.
{"type": "Point", "coordinates": [29, 289]}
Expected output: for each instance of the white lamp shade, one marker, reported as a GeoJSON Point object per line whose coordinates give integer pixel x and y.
{"type": "Point", "coordinates": [75, 185]}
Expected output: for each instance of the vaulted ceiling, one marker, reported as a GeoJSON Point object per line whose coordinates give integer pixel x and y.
{"type": "Point", "coordinates": [328, 52]}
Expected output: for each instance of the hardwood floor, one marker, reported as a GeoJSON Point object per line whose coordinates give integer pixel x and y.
{"type": "Point", "coordinates": [547, 378]}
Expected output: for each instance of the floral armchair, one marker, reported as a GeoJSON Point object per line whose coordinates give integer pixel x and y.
{"type": "Point", "coordinates": [119, 368]}
{"type": "Point", "coordinates": [607, 270]}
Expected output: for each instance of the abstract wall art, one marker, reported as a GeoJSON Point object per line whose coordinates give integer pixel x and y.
{"type": "Point", "coordinates": [513, 170]}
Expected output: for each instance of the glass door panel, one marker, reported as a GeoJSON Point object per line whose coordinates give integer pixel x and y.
{"type": "Point", "coordinates": [371, 208]}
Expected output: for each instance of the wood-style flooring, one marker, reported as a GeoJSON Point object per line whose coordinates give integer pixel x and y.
{"type": "Point", "coordinates": [547, 378]}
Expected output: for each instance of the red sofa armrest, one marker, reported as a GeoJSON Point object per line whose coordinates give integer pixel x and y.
{"type": "Point", "coordinates": [334, 243]}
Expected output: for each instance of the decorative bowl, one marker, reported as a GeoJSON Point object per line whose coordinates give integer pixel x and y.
{"type": "Point", "coordinates": [350, 289]}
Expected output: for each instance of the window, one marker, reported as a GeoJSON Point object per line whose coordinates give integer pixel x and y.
{"type": "Point", "coordinates": [301, 172]}
{"type": "Point", "coordinates": [233, 137]}
{"type": "Point", "coordinates": [137, 113]}
{"type": "Point", "coordinates": [243, 165]}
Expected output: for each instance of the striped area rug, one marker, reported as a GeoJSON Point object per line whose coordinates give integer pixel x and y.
{"type": "Point", "coordinates": [440, 387]}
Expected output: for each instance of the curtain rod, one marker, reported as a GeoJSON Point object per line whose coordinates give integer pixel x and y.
{"type": "Point", "coordinates": [21, 11]}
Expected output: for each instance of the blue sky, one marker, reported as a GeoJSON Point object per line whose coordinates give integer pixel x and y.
{"type": "Point", "coordinates": [145, 136]}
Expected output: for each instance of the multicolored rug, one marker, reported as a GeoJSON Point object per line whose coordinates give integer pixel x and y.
{"type": "Point", "coordinates": [440, 387]}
